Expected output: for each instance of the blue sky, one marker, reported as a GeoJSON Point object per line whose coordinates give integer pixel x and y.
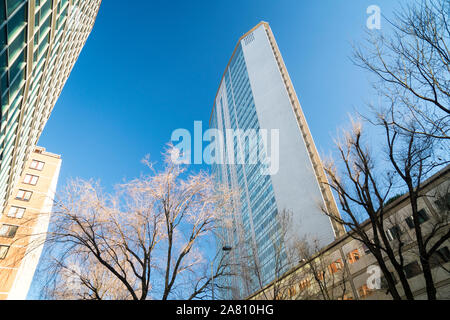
{"type": "Point", "coordinates": [154, 66]}
{"type": "Point", "coordinates": [151, 67]}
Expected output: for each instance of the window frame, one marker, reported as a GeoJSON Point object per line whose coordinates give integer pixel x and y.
{"type": "Point", "coordinates": [8, 233]}
{"type": "Point", "coordinates": [303, 284]}
{"type": "Point", "coordinates": [3, 256]}
{"type": "Point", "coordinates": [25, 192]}
{"type": "Point", "coordinates": [364, 291]}
{"type": "Point", "coordinates": [336, 266]}
{"type": "Point", "coordinates": [423, 217]}
{"type": "Point", "coordinates": [409, 273]}
{"type": "Point", "coordinates": [394, 236]}
{"type": "Point", "coordinates": [38, 167]}
{"type": "Point", "coordinates": [443, 203]}
{"type": "Point", "coordinates": [33, 179]}
{"type": "Point", "coordinates": [18, 209]}
{"type": "Point", "coordinates": [351, 256]}
{"type": "Point", "coordinates": [439, 257]}
{"type": "Point", "coordinates": [321, 275]}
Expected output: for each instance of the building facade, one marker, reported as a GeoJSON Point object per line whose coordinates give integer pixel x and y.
{"type": "Point", "coordinates": [255, 97]}
{"type": "Point", "coordinates": [24, 223]}
{"type": "Point", "coordinates": [348, 270]}
{"type": "Point", "coordinates": [40, 40]}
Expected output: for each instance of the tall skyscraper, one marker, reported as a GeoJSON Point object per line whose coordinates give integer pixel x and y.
{"type": "Point", "coordinates": [256, 93]}
{"type": "Point", "coordinates": [24, 223]}
{"type": "Point", "coordinates": [40, 40]}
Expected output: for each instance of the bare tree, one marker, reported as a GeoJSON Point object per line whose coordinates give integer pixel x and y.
{"type": "Point", "coordinates": [281, 259]}
{"type": "Point", "coordinates": [441, 198]}
{"type": "Point", "coordinates": [301, 271]}
{"type": "Point", "coordinates": [412, 66]}
{"type": "Point", "coordinates": [411, 156]}
{"type": "Point", "coordinates": [365, 183]}
{"type": "Point", "coordinates": [320, 276]}
{"type": "Point", "coordinates": [149, 240]}
{"type": "Point", "coordinates": [255, 275]}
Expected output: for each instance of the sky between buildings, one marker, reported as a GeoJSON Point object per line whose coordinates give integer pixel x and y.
{"type": "Point", "coordinates": [150, 67]}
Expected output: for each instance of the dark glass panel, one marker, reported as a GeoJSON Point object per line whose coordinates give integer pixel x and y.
{"type": "Point", "coordinates": [17, 21]}
{"type": "Point", "coordinates": [12, 5]}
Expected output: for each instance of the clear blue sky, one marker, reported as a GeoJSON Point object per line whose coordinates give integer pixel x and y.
{"type": "Point", "coordinates": [154, 66]}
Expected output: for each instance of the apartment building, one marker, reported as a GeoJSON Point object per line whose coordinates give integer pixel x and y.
{"type": "Point", "coordinates": [24, 222]}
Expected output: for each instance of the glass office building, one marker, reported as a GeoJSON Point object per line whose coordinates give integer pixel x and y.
{"type": "Point", "coordinates": [256, 93]}
{"type": "Point", "coordinates": [40, 40]}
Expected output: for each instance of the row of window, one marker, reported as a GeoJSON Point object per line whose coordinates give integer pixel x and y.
{"type": "Point", "coordinates": [37, 165]}
{"type": "Point", "coordinates": [395, 231]}
{"type": "Point", "coordinates": [31, 179]}
{"type": "Point", "coordinates": [412, 269]}
{"type": "Point", "coordinates": [7, 230]}
{"type": "Point", "coordinates": [352, 257]}
{"type": "Point", "coordinates": [16, 212]}
{"type": "Point", "coordinates": [24, 195]}
{"type": "Point", "coordinates": [334, 267]}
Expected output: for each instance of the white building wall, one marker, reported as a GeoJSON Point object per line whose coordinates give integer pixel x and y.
{"type": "Point", "coordinates": [295, 185]}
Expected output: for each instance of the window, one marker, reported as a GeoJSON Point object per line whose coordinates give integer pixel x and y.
{"type": "Point", "coordinates": [412, 269]}
{"type": "Point", "coordinates": [321, 275]}
{"type": "Point", "coordinates": [410, 222]}
{"type": "Point", "coordinates": [423, 216]}
{"type": "Point", "coordinates": [364, 291]}
{"type": "Point", "coordinates": [292, 291]}
{"type": "Point", "coordinates": [443, 203]}
{"type": "Point", "coordinates": [393, 233]}
{"type": "Point", "coordinates": [304, 284]}
{"type": "Point", "coordinates": [353, 256]}
{"type": "Point", "coordinates": [3, 251]}
{"type": "Point", "coordinates": [384, 283]}
{"type": "Point", "coordinates": [16, 212]}
{"type": "Point", "coordinates": [12, 5]}
{"type": "Point", "coordinates": [336, 266]}
{"type": "Point", "coordinates": [440, 257]}
{"type": "Point", "coordinates": [37, 165]}
{"type": "Point", "coordinates": [24, 195]}
{"type": "Point", "coordinates": [365, 248]}
{"type": "Point", "coordinates": [30, 179]}
{"type": "Point", "coordinates": [8, 231]}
